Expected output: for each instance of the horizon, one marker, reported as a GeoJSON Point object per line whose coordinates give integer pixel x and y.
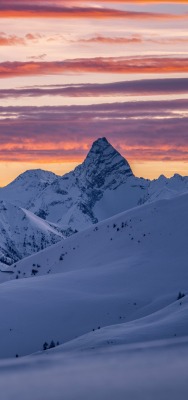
{"type": "Point", "coordinates": [71, 170]}
{"type": "Point", "coordinates": [75, 70]}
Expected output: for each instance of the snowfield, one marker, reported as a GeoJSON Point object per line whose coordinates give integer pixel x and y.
{"type": "Point", "coordinates": [156, 371]}
{"type": "Point", "coordinates": [113, 297]}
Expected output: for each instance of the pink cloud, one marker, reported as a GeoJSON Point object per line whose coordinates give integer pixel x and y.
{"type": "Point", "coordinates": [121, 65]}
{"type": "Point", "coordinates": [62, 9]}
{"type": "Point", "coordinates": [141, 131]}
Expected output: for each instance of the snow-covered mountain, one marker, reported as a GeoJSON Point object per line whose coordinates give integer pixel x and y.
{"type": "Point", "coordinates": [26, 187]}
{"type": "Point", "coordinates": [166, 188]}
{"type": "Point", "coordinates": [102, 186]}
{"type": "Point", "coordinates": [23, 233]}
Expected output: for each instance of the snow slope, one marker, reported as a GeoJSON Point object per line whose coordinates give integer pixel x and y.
{"type": "Point", "coordinates": [167, 323]}
{"type": "Point", "coordinates": [154, 370]}
{"type": "Point", "coordinates": [22, 233]}
{"type": "Point", "coordinates": [159, 229]}
{"type": "Point", "coordinates": [137, 267]}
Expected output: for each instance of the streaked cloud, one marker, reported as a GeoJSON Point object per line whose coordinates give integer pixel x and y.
{"type": "Point", "coordinates": [12, 2]}
{"type": "Point", "coordinates": [38, 57]}
{"type": "Point", "coordinates": [118, 65]}
{"type": "Point", "coordinates": [133, 39]}
{"type": "Point", "coordinates": [140, 130]}
{"type": "Point", "coordinates": [38, 9]}
{"type": "Point", "coordinates": [113, 40]}
{"type": "Point", "coordinates": [124, 1]}
{"type": "Point", "coordinates": [145, 87]}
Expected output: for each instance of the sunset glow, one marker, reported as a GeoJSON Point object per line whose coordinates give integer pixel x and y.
{"type": "Point", "coordinates": [73, 71]}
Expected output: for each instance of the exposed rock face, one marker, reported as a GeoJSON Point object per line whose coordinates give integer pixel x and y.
{"type": "Point", "coordinates": [103, 167]}
{"type": "Point", "coordinates": [23, 233]}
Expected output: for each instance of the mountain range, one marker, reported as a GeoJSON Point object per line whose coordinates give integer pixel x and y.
{"type": "Point", "coordinates": [102, 186]}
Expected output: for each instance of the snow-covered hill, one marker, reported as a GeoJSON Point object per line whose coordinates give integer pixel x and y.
{"type": "Point", "coordinates": [125, 268]}
{"type": "Point", "coordinates": [115, 299]}
{"type": "Point", "coordinates": [23, 233]}
{"type": "Point", "coordinates": [160, 228]}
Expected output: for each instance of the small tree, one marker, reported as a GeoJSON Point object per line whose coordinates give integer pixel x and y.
{"type": "Point", "coordinates": [180, 296]}
{"type": "Point", "coordinates": [34, 272]}
{"type": "Point", "coordinates": [52, 345]}
{"type": "Point", "coordinates": [45, 346]}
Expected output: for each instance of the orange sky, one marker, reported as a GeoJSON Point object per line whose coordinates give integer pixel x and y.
{"type": "Point", "coordinates": [73, 71]}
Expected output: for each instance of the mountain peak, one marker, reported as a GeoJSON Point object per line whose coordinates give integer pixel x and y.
{"type": "Point", "coordinates": [104, 166]}
{"type": "Point", "coordinates": [102, 142]}
{"type": "Point", "coordinates": [100, 145]}
{"type": "Point", "coordinates": [105, 153]}
{"type": "Point", "coordinates": [37, 174]}
{"type": "Point", "coordinates": [26, 187]}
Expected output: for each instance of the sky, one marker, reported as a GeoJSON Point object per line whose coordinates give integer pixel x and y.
{"type": "Point", "coordinates": [74, 71]}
